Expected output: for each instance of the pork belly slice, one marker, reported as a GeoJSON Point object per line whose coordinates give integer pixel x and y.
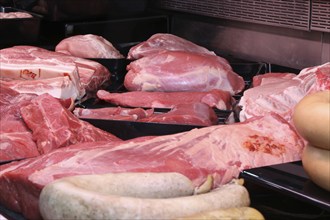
{"type": "Point", "coordinates": [198, 114]}
{"type": "Point", "coordinates": [31, 63]}
{"type": "Point", "coordinates": [113, 113]}
{"type": "Point", "coordinates": [221, 151]}
{"type": "Point", "coordinates": [215, 98]}
{"type": "Point", "coordinates": [161, 42]}
{"type": "Point", "coordinates": [24, 63]}
{"type": "Point", "coordinates": [59, 87]}
{"type": "Point", "coordinates": [282, 95]}
{"type": "Point", "coordinates": [88, 46]}
{"type": "Point", "coordinates": [53, 126]}
{"type": "Point", "coordinates": [174, 71]}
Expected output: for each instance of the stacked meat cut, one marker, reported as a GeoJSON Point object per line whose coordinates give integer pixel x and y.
{"type": "Point", "coordinates": [53, 142]}
{"type": "Point", "coordinates": [28, 69]}
{"type": "Point", "coordinates": [280, 93]}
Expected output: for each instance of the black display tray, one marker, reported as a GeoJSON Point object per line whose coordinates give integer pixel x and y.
{"type": "Point", "coordinates": [19, 30]}
{"type": "Point", "coordinates": [288, 191]}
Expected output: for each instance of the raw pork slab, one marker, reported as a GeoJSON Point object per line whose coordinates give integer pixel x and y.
{"type": "Point", "coordinates": [282, 95]}
{"type": "Point", "coordinates": [53, 126]}
{"type": "Point", "coordinates": [198, 114]}
{"type": "Point", "coordinates": [113, 113]}
{"type": "Point", "coordinates": [220, 150]}
{"type": "Point", "coordinates": [215, 98]}
{"type": "Point", "coordinates": [174, 71]}
{"type": "Point", "coordinates": [16, 140]}
{"type": "Point", "coordinates": [88, 46]}
{"type": "Point", "coordinates": [31, 63]}
{"type": "Point", "coordinates": [266, 78]}
{"type": "Point", "coordinates": [59, 87]}
{"type": "Point", "coordinates": [24, 63]}
{"type": "Point", "coordinates": [161, 42]}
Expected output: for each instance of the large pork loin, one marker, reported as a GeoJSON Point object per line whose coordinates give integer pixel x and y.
{"type": "Point", "coordinates": [161, 42]}
{"type": "Point", "coordinates": [173, 71]}
{"type": "Point", "coordinates": [214, 98]}
{"type": "Point", "coordinates": [220, 150]}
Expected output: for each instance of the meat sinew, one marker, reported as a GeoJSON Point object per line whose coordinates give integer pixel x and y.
{"type": "Point", "coordinates": [214, 98]}
{"type": "Point", "coordinates": [221, 151]}
{"type": "Point", "coordinates": [161, 42]}
{"type": "Point", "coordinates": [88, 46]}
{"type": "Point", "coordinates": [172, 71]}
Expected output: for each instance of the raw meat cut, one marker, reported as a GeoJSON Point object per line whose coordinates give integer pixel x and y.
{"type": "Point", "coordinates": [113, 113]}
{"type": "Point", "coordinates": [88, 46]}
{"type": "Point", "coordinates": [221, 151]}
{"type": "Point", "coordinates": [31, 63]}
{"type": "Point", "coordinates": [267, 78]}
{"type": "Point", "coordinates": [17, 144]}
{"type": "Point", "coordinates": [173, 71]}
{"type": "Point", "coordinates": [161, 42]}
{"type": "Point", "coordinates": [24, 63]}
{"type": "Point", "coordinates": [214, 98]}
{"type": "Point", "coordinates": [199, 114]}
{"type": "Point", "coordinates": [53, 126]}
{"type": "Point", "coordinates": [15, 138]}
{"type": "Point", "coordinates": [13, 15]}
{"type": "Point", "coordinates": [59, 87]}
{"type": "Point", "coordinates": [281, 97]}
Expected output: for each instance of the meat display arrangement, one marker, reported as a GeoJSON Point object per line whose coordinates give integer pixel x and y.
{"type": "Point", "coordinates": [88, 46]}
{"type": "Point", "coordinates": [34, 63]}
{"type": "Point", "coordinates": [173, 71]}
{"type": "Point", "coordinates": [221, 151]}
{"type": "Point", "coordinates": [281, 95]}
{"type": "Point", "coordinates": [161, 42]}
{"type": "Point", "coordinates": [215, 98]}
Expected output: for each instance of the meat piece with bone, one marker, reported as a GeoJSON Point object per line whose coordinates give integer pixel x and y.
{"type": "Point", "coordinates": [88, 46]}
{"type": "Point", "coordinates": [174, 71]}
{"type": "Point", "coordinates": [161, 42]}
{"type": "Point", "coordinates": [215, 98]}
{"type": "Point", "coordinates": [221, 151]}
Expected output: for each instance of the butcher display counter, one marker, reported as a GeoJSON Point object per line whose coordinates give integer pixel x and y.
{"type": "Point", "coordinates": [256, 37]}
